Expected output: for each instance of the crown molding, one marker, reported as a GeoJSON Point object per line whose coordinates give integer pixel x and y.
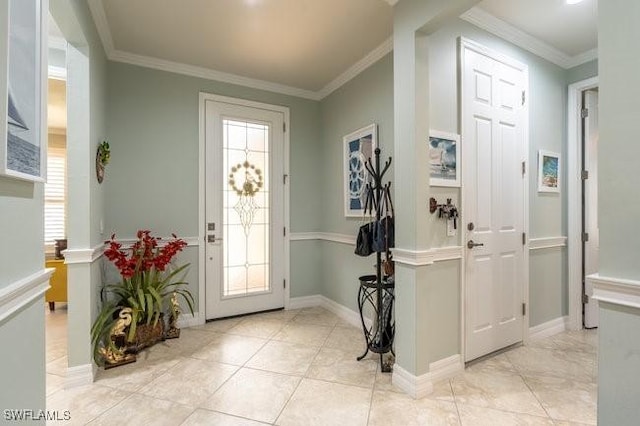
{"type": "Point", "coordinates": [502, 29]}
{"type": "Point", "coordinates": [102, 25]}
{"type": "Point", "coordinates": [372, 57]}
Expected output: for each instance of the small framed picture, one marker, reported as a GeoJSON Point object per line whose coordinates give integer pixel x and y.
{"type": "Point", "coordinates": [359, 147]}
{"type": "Point", "coordinates": [444, 159]}
{"type": "Point", "coordinates": [548, 171]}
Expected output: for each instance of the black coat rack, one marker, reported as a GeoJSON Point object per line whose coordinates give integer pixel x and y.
{"type": "Point", "coordinates": [376, 293]}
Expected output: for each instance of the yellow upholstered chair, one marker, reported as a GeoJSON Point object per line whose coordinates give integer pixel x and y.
{"type": "Point", "coordinates": [58, 282]}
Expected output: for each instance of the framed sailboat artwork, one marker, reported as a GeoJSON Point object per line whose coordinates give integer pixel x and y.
{"type": "Point", "coordinates": [23, 84]}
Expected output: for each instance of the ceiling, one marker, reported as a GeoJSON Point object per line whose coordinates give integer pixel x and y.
{"type": "Point", "coordinates": [309, 48]}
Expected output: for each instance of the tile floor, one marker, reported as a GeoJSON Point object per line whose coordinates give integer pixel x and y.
{"type": "Point", "coordinates": [299, 368]}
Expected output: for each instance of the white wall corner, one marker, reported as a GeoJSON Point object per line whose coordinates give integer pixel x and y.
{"type": "Point", "coordinates": [420, 386]}
{"type": "Point", "coordinates": [549, 328]}
{"type": "Point", "coordinates": [80, 375]}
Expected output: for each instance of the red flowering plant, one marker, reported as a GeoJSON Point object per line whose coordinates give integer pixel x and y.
{"type": "Point", "coordinates": [149, 279]}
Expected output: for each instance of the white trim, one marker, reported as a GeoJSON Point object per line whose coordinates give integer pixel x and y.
{"type": "Point", "coordinates": [548, 328]}
{"type": "Point", "coordinates": [353, 71]}
{"type": "Point", "coordinates": [324, 236]}
{"type": "Point", "coordinates": [187, 320]}
{"type": "Point", "coordinates": [547, 242]}
{"type": "Point", "coordinates": [15, 296]}
{"type": "Point", "coordinates": [113, 54]}
{"type": "Point", "coordinates": [80, 375]}
{"type": "Point", "coordinates": [202, 99]}
{"type": "Point", "coordinates": [426, 257]}
{"type": "Point", "coordinates": [57, 73]}
{"type": "Point", "coordinates": [57, 43]}
{"type": "Point", "coordinates": [420, 386]}
{"type": "Point", "coordinates": [616, 290]}
{"type": "Point", "coordinates": [508, 32]}
{"type": "Point", "coordinates": [574, 196]}
{"type": "Point", "coordinates": [304, 302]}
{"type": "Point", "coordinates": [348, 315]}
{"type": "Point", "coordinates": [127, 242]}
{"type": "Point", "coordinates": [78, 256]}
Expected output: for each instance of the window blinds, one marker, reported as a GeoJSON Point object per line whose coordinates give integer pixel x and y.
{"type": "Point", "coordinates": [55, 196]}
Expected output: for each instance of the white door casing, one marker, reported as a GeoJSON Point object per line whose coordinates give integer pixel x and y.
{"type": "Point", "coordinates": [494, 151]}
{"type": "Point", "coordinates": [224, 173]}
{"type": "Point", "coordinates": [592, 245]}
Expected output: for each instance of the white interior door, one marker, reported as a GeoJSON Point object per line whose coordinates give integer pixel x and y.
{"type": "Point", "coordinates": [493, 135]}
{"type": "Point", "coordinates": [592, 245]}
{"type": "Point", "coordinates": [244, 202]}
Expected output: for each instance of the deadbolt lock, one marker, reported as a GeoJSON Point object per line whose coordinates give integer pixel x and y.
{"type": "Point", "coordinates": [471, 226]}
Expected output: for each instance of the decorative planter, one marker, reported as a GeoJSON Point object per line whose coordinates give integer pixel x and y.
{"type": "Point", "coordinates": [146, 335]}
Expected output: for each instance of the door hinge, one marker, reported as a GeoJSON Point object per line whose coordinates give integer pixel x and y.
{"type": "Point", "coordinates": [584, 174]}
{"type": "Point", "coordinates": [284, 126]}
{"type": "Point", "coordinates": [524, 238]}
{"type": "Point", "coordinates": [524, 309]}
{"type": "Point", "coordinates": [284, 231]}
{"type": "Point", "coordinates": [584, 112]}
{"type": "Point", "coordinates": [284, 283]}
{"type": "Point", "coordinates": [585, 237]}
{"type": "Point", "coordinates": [524, 97]}
{"type": "Point", "coordinates": [524, 167]}
{"type": "Point", "coordinates": [585, 299]}
{"type": "Point", "coordinates": [284, 179]}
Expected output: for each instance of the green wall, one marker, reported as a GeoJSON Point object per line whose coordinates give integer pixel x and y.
{"type": "Point", "coordinates": [618, 153]}
{"type": "Point", "coordinates": [152, 179]}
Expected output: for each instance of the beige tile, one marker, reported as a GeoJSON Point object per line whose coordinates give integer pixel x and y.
{"type": "Point", "coordinates": [498, 364]}
{"type": "Point", "coordinates": [54, 383]}
{"type": "Point", "coordinates": [254, 327]}
{"type": "Point", "coordinates": [325, 404]}
{"type": "Point", "coordinates": [283, 357]}
{"type": "Point", "coordinates": [218, 326]}
{"type": "Point", "coordinates": [335, 365]}
{"type": "Point", "coordinates": [189, 382]}
{"type": "Point", "coordinates": [132, 377]}
{"type": "Point", "coordinates": [305, 334]}
{"type": "Point", "coordinates": [555, 363]}
{"type": "Point", "coordinates": [566, 399]}
{"type": "Point", "coordinates": [389, 408]}
{"type": "Point", "coordinates": [84, 403]}
{"type": "Point", "coordinates": [254, 394]}
{"type": "Point", "coordinates": [58, 366]}
{"type": "Point", "coordinates": [139, 409]}
{"type": "Point", "coordinates": [280, 315]}
{"type": "Point", "coordinates": [202, 417]}
{"type": "Point", "coordinates": [55, 349]}
{"type": "Point", "coordinates": [581, 341]}
{"type": "Point", "coordinates": [230, 349]}
{"type": "Point", "coordinates": [347, 338]}
{"type": "Point", "coordinates": [479, 416]}
{"type": "Point", "coordinates": [498, 391]}
{"type": "Point", "coordinates": [316, 317]}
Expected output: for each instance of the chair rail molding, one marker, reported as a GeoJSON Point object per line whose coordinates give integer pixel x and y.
{"type": "Point", "coordinates": [15, 296]}
{"type": "Point", "coordinates": [426, 257]}
{"type": "Point", "coordinates": [618, 291]}
{"type": "Point", "coordinates": [324, 236]}
{"type": "Point", "coordinates": [547, 242]}
{"type": "Point", "coordinates": [78, 256]}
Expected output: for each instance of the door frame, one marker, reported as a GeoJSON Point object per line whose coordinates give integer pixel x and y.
{"type": "Point", "coordinates": [574, 194]}
{"type": "Point", "coordinates": [465, 43]}
{"type": "Point", "coordinates": [202, 232]}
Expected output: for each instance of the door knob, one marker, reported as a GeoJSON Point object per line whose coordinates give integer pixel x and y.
{"type": "Point", "coordinates": [471, 244]}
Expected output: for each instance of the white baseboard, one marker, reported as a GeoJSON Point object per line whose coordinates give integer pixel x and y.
{"type": "Point", "coordinates": [549, 328]}
{"type": "Point", "coordinates": [80, 375]}
{"type": "Point", "coordinates": [189, 320]}
{"type": "Point", "coordinates": [420, 386]}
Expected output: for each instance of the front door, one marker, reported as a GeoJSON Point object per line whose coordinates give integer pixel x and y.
{"type": "Point", "coordinates": [493, 135]}
{"type": "Point", "coordinates": [244, 203]}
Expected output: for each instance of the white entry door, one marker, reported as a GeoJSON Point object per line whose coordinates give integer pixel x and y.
{"type": "Point", "coordinates": [245, 209]}
{"type": "Point", "coordinates": [591, 246]}
{"type": "Point", "coordinates": [493, 134]}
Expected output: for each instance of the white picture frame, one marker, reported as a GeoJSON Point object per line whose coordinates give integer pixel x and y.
{"type": "Point", "coordinates": [549, 171]}
{"type": "Point", "coordinates": [358, 147]}
{"type": "Point", "coordinates": [23, 89]}
{"type": "Point", "coordinates": [444, 159]}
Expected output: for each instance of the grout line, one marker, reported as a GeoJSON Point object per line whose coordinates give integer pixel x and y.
{"type": "Point", "coordinates": [455, 401]}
